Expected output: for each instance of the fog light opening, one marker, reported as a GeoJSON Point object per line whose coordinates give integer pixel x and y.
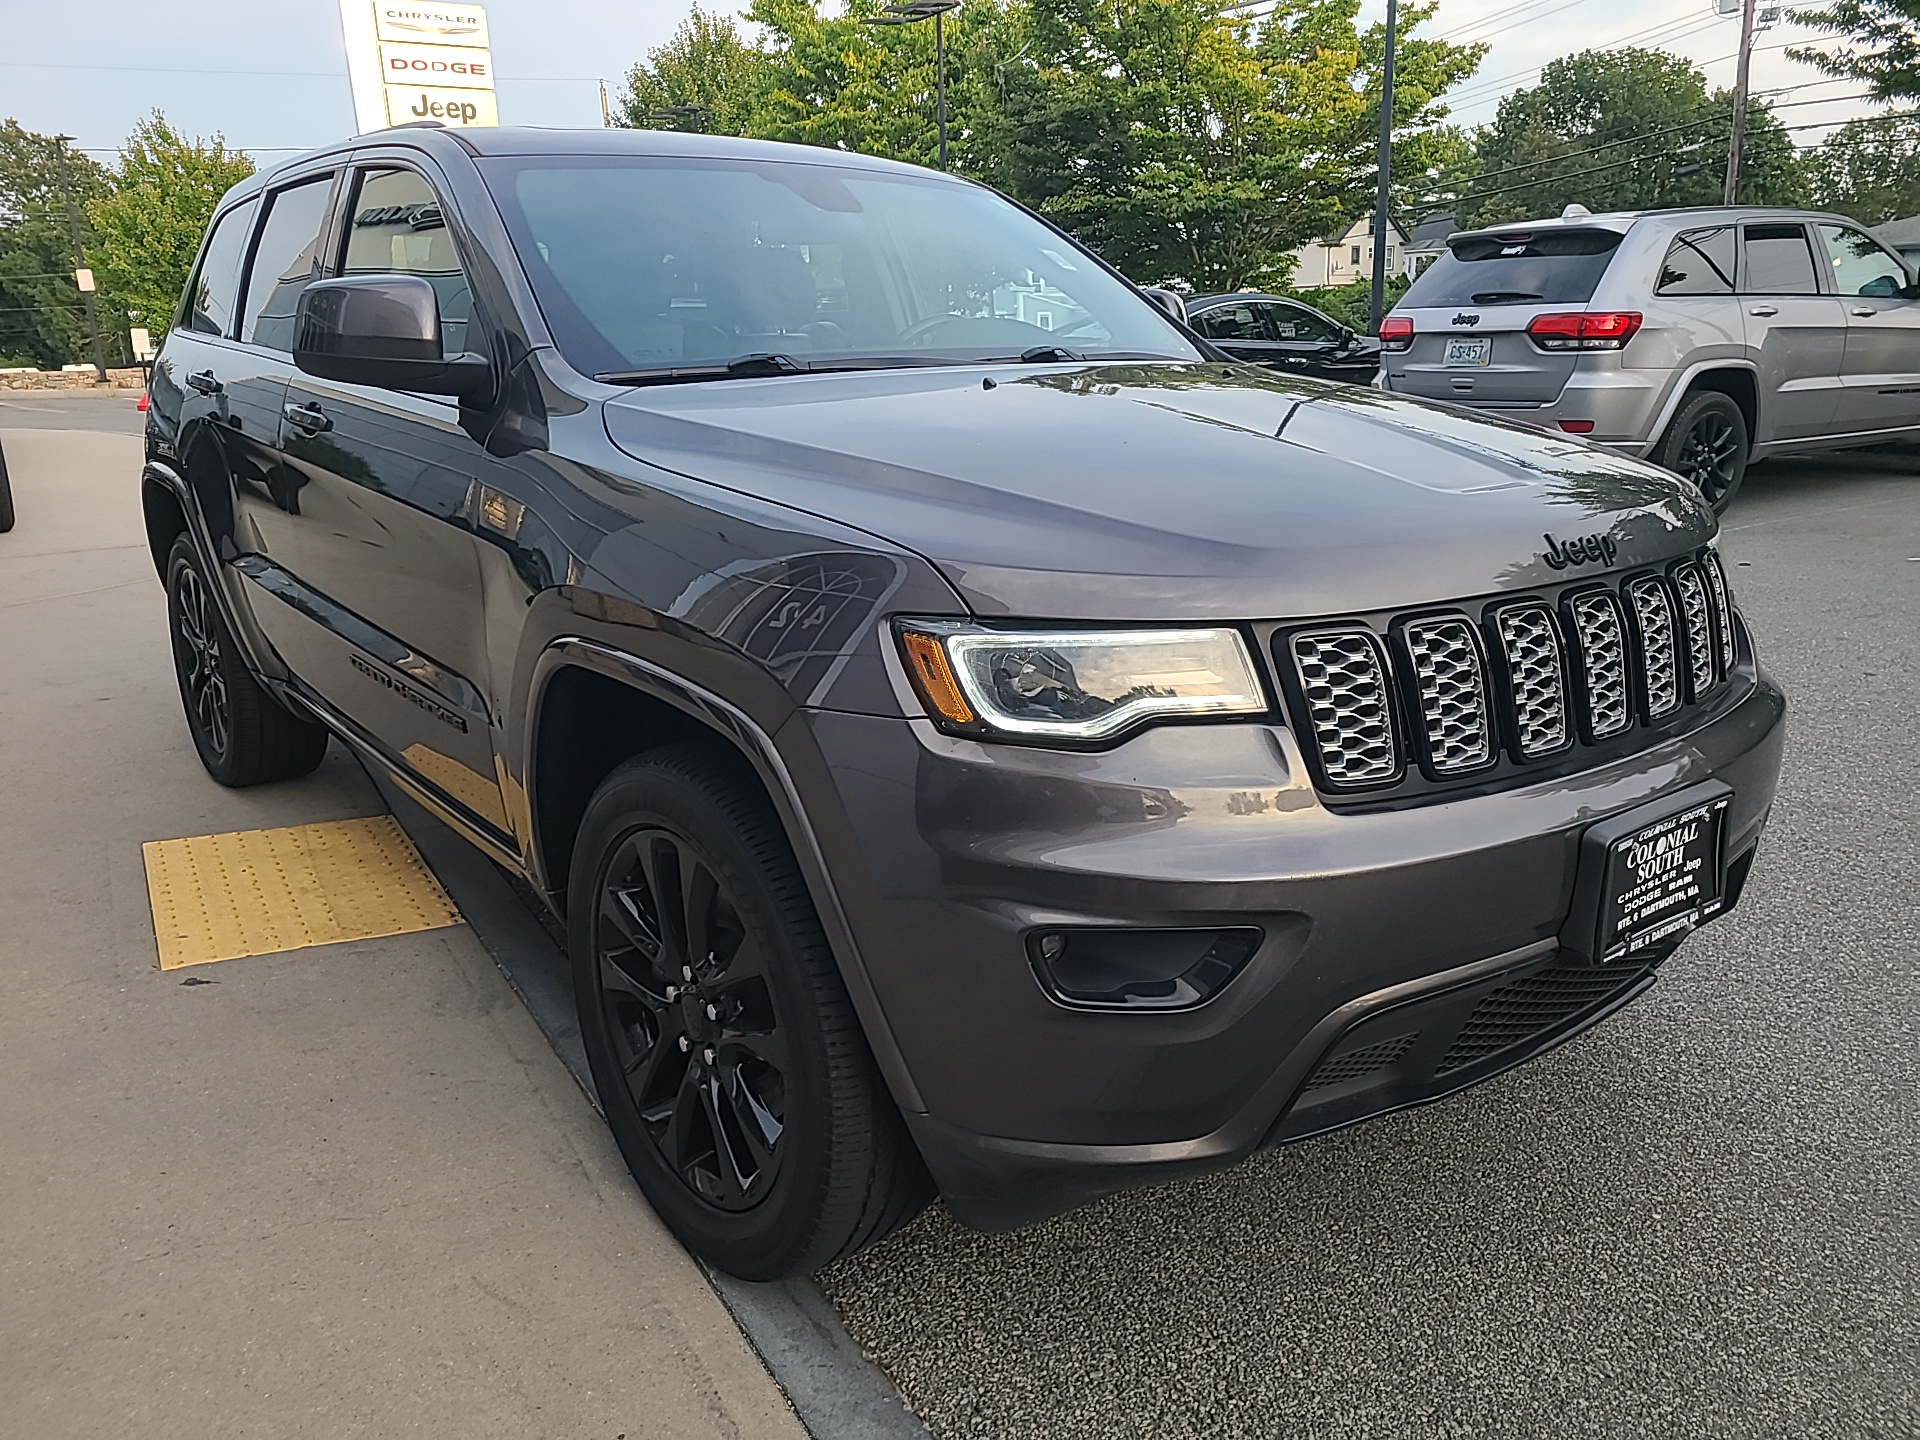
{"type": "Point", "coordinates": [1115, 969]}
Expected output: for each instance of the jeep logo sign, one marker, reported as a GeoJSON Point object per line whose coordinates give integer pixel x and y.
{"type": "Point", "coordinates": [413, 60]}
{"type": "Point", "coordinates": [1466, 318]}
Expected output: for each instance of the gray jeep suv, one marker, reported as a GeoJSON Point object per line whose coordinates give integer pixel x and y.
{"type": "Point", "coordinates": [1020, 759]}
{"type": "Point", "coordinates": [1699, 339]}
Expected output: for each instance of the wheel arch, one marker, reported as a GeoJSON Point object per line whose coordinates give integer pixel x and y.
{"type": "Point", "coordinates": [653, 707]}
{"type": "Point", "coordinates": [165, 513]}
{"type": "Point", "coordinates": [1734, 378]}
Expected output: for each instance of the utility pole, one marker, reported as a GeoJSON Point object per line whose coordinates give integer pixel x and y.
{"type": "Point", "coordinates": [1381, 221]}
{"type": "Point", "coordinates": [1739, 132]}
{"type": "Point", "coordinates": [82, 276]}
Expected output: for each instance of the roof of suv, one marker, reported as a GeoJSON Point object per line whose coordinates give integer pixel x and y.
{"type": "Point", "coordinates": [1623, 220]}
{"type": "Point", "coordinates": [526, 140]}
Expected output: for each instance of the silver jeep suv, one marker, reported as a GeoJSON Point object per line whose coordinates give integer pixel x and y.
{"type": "Point", "coordinates": [1699, 339]}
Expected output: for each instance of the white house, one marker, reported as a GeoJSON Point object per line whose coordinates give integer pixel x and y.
{"type": "Point", "coordinates": [1346, 256]}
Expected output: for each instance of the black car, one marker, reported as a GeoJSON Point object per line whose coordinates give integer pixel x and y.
{"type": "Point", "coordinates": [1285, 334]}
{"type": "Point", "coordinates": [976, 737]}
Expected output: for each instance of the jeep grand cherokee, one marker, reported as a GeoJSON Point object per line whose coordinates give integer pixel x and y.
{"type": "Point", "coordinates": [978, 736]}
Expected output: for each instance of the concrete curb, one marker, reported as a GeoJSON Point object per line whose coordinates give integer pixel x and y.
{"type": "Point", "coordinates": [838, 1393]}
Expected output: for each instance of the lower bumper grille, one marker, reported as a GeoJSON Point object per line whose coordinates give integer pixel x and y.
{"type": "Point", "coordinates": [1425, 1048]}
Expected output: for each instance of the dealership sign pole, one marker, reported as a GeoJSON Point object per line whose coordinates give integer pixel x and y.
{"type": "Point", "coordinates": [419, 61]}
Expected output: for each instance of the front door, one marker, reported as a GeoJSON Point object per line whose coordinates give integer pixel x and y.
{"type": "Point", "coordinates": [1797, 335]}
{"type": "Point", "coordinates": [1880, 378]}
{"type": "Point", "coordinates": [388, 486]}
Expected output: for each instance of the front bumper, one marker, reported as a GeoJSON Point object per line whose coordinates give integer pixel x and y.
{"type": "Point", "coordinates": [948, 852]}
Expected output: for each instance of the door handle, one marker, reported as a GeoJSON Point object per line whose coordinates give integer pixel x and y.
{"type": "Point", "coordinates": [1764, 310]}
{"type": "Point", "coordinates": [308, 417]}
{"type": "Point", "coordinates": [204, 382]}
{"type": "Point", "coordinates": [1864, 310]}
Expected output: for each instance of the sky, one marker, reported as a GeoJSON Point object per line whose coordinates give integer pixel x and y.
{"type": "Point", "coordinates": [270, 75]}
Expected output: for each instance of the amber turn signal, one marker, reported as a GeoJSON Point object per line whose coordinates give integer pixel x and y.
{"type": "Point", "coordinates": [932, 677]}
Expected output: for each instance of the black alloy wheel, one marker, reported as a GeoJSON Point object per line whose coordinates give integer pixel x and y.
{"type": "Point", "coordinates": [244, 735]}
{"type": "Point", "coordinates": [197, 652]}
{"type": "Point", "coordinates": [695, 1032]}
{"type": "Point", "coordinates": [724, 1049]}
{"type": "Point", "coordinates": [1706, 445]}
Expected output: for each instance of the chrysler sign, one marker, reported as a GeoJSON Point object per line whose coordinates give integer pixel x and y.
{"type": "Point", "coordinates": [418, 61]}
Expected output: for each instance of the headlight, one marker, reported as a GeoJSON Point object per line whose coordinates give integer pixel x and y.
{"type": "Point", "coordinates": [1075, 685]}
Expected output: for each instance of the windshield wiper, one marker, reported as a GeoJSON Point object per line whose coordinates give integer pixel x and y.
{"type": "Point", "coordinates": [1503, 297]}
{"type": "Point", "coordinates": [745, 367]}
{"type": "Point", "coordinates": [763, 366]}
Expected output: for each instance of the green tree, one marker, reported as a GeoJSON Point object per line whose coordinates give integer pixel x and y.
{"type": "Point", "coordinates": [838, 82]}
{"type": "Point", "coordinates": [1869, 169]}
{"type": "Point", "coordinates": [1886, 44]}
{"type": "Point", "coordinates": [1621, 129]}
{"type": "Point", "coordinates": [1197, 148]}
{"type": "Point", "coordinates": [149, 222]}
{"type": "Point", "coordinates": [708, 69]}
{"type": "Point", "coordinates": [41, 318]}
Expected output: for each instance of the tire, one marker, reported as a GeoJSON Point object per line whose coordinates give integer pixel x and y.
{"type": "Point", "coordinates": [744, 1098]}
{"type": "Point", "coordinates": [6, 496]}
{"type": "Point", "coordinates": [1706, 444]}
{"type": "Point", "coordinates": [243, 734]}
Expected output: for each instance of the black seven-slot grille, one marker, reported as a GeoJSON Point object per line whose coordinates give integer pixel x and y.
{"type": "Point", "coordinates": [1454, 692]}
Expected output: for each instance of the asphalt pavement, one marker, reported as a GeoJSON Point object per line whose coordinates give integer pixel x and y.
{"type": "Point", "coordinates": [1701, 1219]}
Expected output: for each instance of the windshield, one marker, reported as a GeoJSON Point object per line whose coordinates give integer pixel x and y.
{"type": "Point", "coordinates": [647, 264]}
{"type": "Point", "coordinates": [1549, 267]}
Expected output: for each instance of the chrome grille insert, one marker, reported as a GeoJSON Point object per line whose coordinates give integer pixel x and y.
{"type": "Point", "coordinates": [1722, 610]}
{"type": "Point", "coordinates": [1452, 683]}
{"type": "Point", "coordinates": [1603, 662]}
{"type": "Point", "coordinates": [1343, 675]}
{"type": "Point", "coordinates": [1697, 629]}
{"type": "Point", "coordinates": [1653, 624]}
{"type": "Point", "coordinates": [1531, 645]}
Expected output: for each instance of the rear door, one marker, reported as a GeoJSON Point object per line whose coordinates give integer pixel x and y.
{"type": "Point", "coordinates": [1239, 327]}
{"type": "Point", "coordinates": [1471, 308]}
{"type": "Point", "coordinates": [1880, 373]}
{"type": "Point", "coordinates": [1796, 334]}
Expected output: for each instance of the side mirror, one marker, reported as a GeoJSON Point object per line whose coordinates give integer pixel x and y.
{"type": "Point", "coordinates": [1174, 306]}
{"type": "Point", "coordinates": [383, 330]}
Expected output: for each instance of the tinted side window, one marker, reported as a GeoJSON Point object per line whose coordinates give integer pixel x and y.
{"type": "Point", "coordinates": [1300, 325]}
{"type": "Point", "coordinates": [1779, 262]}
{"type": "Point", "coordinates": [1700, 262]}
{"type": "Point", "coordinates": [285, 260]}
{"type": "Point", "coordinates": [1232, 322]}
{"type": "Point", "coordinates": [216, 287]}
{"type": "Point", "coordinates": [399, 228]}
{"type": "Point", "coordinates": [1860, 266]}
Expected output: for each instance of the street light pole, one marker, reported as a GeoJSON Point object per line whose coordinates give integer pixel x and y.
{"type": "Point", "coordinates": [912, 12]}
{"type": "Point", "coordinates": [1380, 218]}
{"type": "Point", "coordinates": [1739, 133]}
{"type": "Point", "coordinates": [82, 277]}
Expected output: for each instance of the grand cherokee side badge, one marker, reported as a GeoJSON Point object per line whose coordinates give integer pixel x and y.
{"type": "Point", "coordinates": [1584, 550]}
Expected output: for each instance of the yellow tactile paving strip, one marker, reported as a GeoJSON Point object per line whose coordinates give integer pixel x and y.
{"type": "Point", "coordinates": [258, 892]}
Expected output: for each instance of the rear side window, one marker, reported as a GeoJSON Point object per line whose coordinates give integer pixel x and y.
{"type": "Point", "coordinates": [285, 261]}
{"type": "Point", "coordinates": [1519, 267]}
{"type": "Point", "coordinates": [1779, 262]}
{"type": "Point", "coordinates": [400, 228]}
{"type": "Point", "coordinates": [1699, 262]}
{"type": "Point", "coordinates": [216, 287]}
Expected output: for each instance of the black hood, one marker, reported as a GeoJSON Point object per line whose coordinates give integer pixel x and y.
{"type": "Point", "coordinates": [1166, 492]}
